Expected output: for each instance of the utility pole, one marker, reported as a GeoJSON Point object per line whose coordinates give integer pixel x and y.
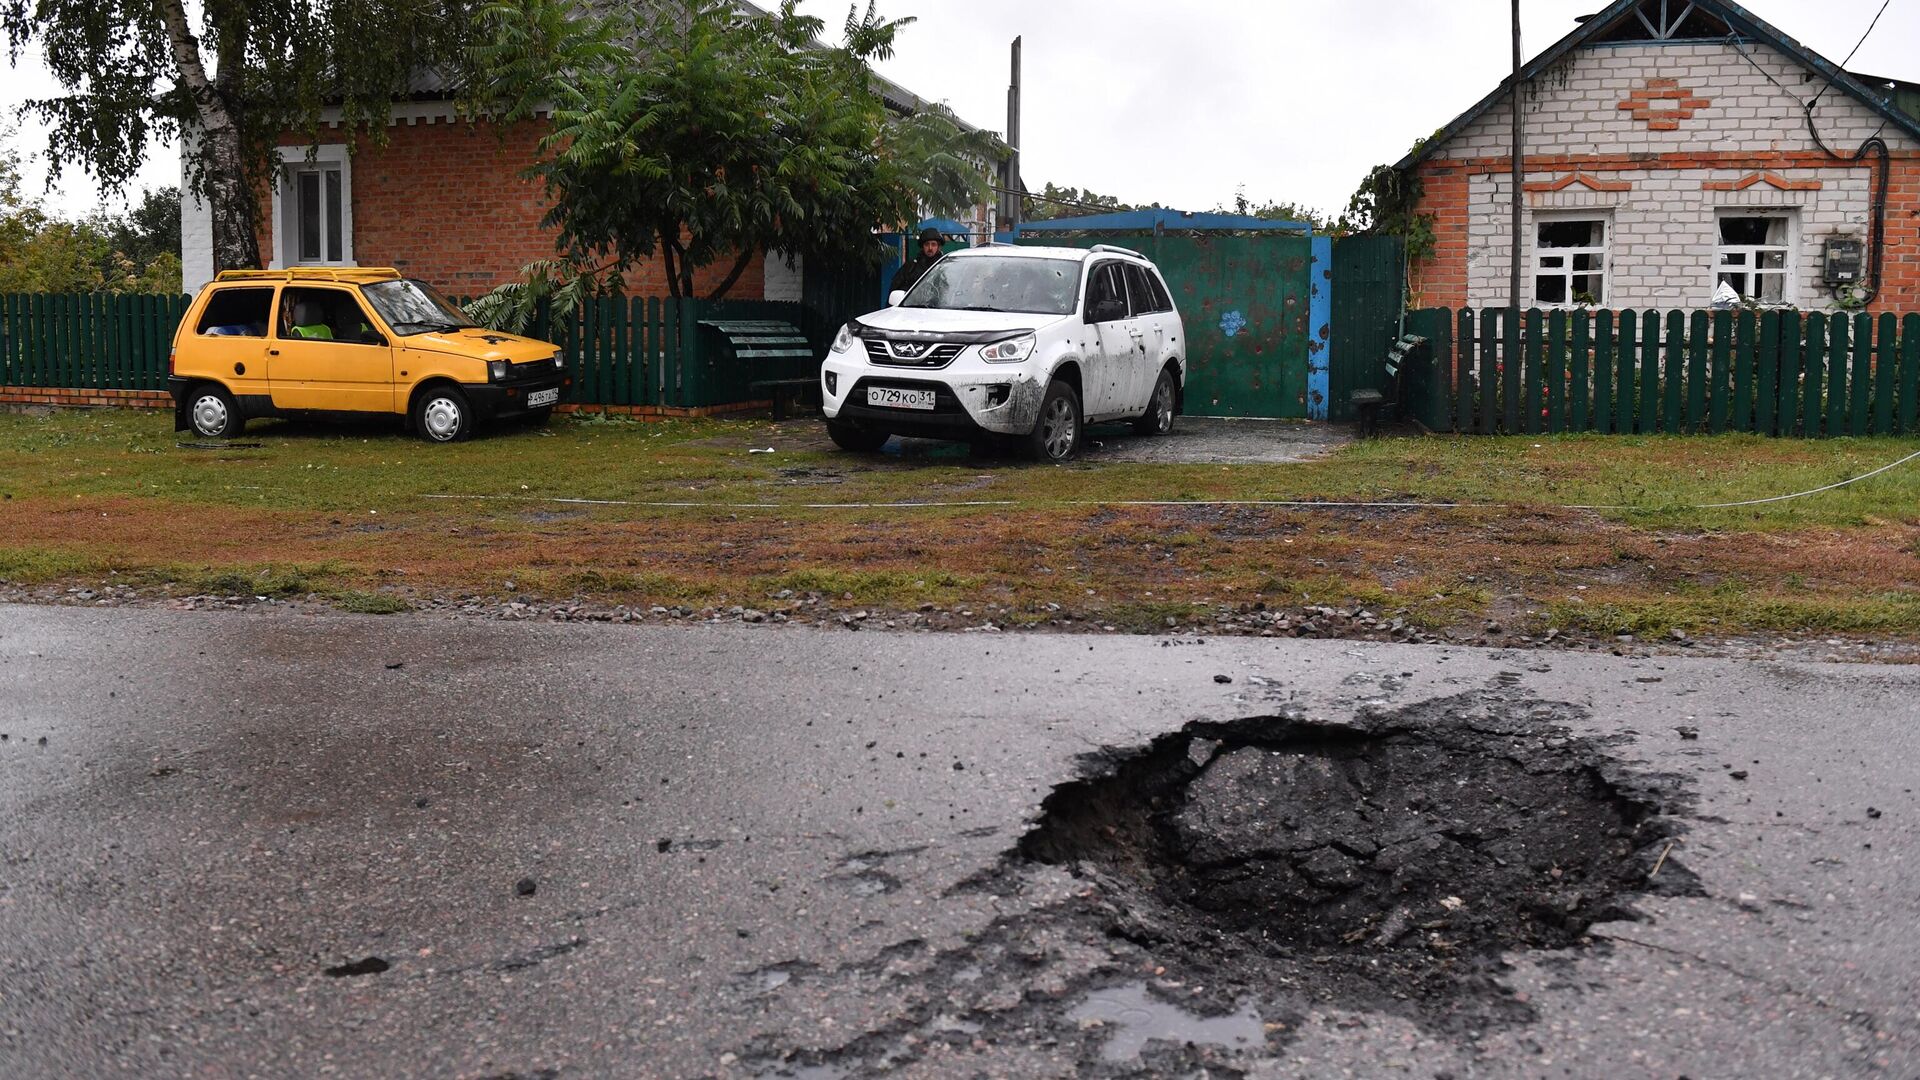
{"type": "Point", "coordinates": [1519, 152]}
{"type": "Point", "coordinates": [1010, 207]}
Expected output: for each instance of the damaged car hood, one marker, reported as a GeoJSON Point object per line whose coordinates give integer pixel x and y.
{"type": "Point", "coordinates": [905, 320]}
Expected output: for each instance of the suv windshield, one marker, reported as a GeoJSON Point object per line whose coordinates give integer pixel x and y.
{"type": "Point", "coordinates": [414, 307]}
{"type": "Point", "coordinates": [1003, 283]}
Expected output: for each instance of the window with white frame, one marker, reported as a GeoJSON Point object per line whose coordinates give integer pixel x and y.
{"type": "Point", "coordinates": [1570, 261]}
{"type": "Point", "coordinates": [313, 208]}
{"type": "Point", "coordinates": [1755, 255]}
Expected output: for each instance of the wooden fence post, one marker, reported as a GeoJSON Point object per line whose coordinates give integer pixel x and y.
{"type": "Point", "coordinates": [1910, 374]}
{"type": "Point", "coordinates": [1886, 365]}
{"type": "Point", "coordinates": [1463, 387]}
{"type": "Point", "coordinates": [1580, 378]}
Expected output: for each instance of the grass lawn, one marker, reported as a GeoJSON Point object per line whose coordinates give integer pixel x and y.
{"type": "Point", "coordinates": [371, 520]}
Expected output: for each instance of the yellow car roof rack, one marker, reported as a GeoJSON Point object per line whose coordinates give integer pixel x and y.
{"type": "Point", "coordinates": [313, 273]}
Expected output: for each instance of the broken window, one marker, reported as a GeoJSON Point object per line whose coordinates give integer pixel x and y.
{"type": "Point", "coordinates": [1570, 262]}
{"type": "Point", "coordinates": [237, 312]}
{"type": "Point", "coordinates": [1755, 256]}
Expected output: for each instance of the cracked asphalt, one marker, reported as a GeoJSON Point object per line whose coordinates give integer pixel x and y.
{"type": "Point", "coordinates": [269, 844]}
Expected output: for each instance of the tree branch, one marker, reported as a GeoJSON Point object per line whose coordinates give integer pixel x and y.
{"type": "Point", "coordinates": [739, 267]}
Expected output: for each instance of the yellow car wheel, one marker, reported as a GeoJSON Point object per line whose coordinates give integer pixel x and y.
{"type": "Point", "coordinates": [441, 414]}
{"type": "Point", "coordinates": [213, 413]}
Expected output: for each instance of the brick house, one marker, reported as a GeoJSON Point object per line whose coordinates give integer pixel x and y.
{"type": "Point", "coordinates": [445, 200]}
{"type": "Point", "coordinates": [1667, 151]}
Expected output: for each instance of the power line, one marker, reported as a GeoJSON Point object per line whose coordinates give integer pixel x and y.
{"type": "Point", "coordinates": [1849, 59]}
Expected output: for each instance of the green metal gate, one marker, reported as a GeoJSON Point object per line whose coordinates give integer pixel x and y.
{"type": "Point", "coordinates": [1368, 284]}
{"type": "Point", "coordinates": [1244, 301]}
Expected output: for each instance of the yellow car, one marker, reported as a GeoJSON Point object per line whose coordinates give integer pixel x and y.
{"type": "Point", "coordinates": [343, 343]}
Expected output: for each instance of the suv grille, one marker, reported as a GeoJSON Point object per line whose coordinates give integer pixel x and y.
{"type": "Point", "coordinates": [913, 354]}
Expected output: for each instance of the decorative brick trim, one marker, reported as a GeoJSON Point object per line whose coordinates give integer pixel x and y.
{"type": "Point", "coordinates": [1689, 159]}
{"type": "Point", "coordinates": [14, 398]}
{"type": "Point", "coordinates": [1592, 183]}
{"type": "Point", "coordinates": [1768, 177]}
{"type": "Point", "coordinates": [1677, 103]}
{"type": "Point", "coordinates": [667, 412]}
{"type": "Point", "coordinates": [81, 397]}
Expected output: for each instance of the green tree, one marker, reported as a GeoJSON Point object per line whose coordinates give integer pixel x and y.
{"type": "Point", "coordinates": [136, 70]}
{"type": "Point", "coordinates": [694, 132]}
{"type": "Point", "coordinates": [1277, 211]}
{"type": "Point", "coordinates": [150, 230]}
{"type": "Point", "coordinates": [1064, 202]}
{"type": "Point", "coordinates": [1388, 202]}
{"type": "Point", "coordinates": [41, 253]}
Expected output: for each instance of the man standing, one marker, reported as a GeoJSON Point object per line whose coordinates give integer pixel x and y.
{"type": "Point", "coordinates": [909, 274]}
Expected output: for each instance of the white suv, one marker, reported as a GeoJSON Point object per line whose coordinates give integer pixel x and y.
{"type": "Point", "coordinates": [1023, 342]}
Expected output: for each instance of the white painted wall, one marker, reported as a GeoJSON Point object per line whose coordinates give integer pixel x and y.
{"type": "Point", "coordinates": [196, 231]}
{"type": "Point", "coordinates": [1664, 232]}
{"type": "Point", "coordinates": [783, 282]}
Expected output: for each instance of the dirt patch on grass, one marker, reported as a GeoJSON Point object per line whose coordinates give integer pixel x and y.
{"type": "Point", "coordinates": [1476, 576]}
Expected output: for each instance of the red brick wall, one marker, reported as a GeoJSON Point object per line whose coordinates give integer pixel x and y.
{"type": "Point", "coordinates": [446, 202]}
{"type": "Point", "coordinates": [26, 398]}
{"type": "Point", "coordinates": [1441, 280]}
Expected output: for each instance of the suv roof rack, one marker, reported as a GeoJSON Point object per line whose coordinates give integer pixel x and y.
{"type": "Point", "coordinates": [1117, 249]}
{"type": "Point", "coordinates": [312, 273]}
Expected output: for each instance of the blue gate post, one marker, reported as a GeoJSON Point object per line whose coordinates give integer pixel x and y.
{"type": "Point", "coordinates": [1319, 327]}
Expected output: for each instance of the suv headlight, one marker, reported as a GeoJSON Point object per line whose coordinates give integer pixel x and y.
{"type": "Point", "coordinates": [1009, 351]}
{"type": "Point", "coordinates": [844, 339]}
{"type": "Point", "coordinates": [497, 370]}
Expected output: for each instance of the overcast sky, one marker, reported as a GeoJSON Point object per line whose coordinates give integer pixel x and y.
{"type": "Point", "coordinates": [1181, 102]}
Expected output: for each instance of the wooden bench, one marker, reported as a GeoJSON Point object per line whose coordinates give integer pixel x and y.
{"type": "Point", "coordinates": [768, 340]}
{"type": "Point", "coordinates": [1368, 401]}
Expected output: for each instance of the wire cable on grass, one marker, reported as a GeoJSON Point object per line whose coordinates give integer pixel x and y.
{"type": "Point", "coordinates": [1300, 504]}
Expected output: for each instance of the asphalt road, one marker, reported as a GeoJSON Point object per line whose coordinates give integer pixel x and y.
{"type": "Point", "coordinates": [764, 851]}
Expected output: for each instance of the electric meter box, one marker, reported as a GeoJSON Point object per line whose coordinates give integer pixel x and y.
{"type": "Point", "coordinates": [1843, 262]}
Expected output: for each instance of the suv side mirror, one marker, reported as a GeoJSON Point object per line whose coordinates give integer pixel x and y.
{"type": "Point", "coordinates": [1106, 311]}
{"type": "Point", "coordinates": [895, 297]}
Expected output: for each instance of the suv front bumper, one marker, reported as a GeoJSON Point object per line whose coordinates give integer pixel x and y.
{"type": "Point", "coordinates": [968, 402]}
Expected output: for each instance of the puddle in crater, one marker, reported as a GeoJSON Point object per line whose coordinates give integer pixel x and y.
{"type": "Point", "coordinates": [1136, 1017]}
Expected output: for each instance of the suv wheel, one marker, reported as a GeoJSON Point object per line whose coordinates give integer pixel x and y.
{"type": "Point", "coordinates": [1056, 434]}
{"type": "Point", "coordinates": [856, 438]}
{"type": "Point", "coordinates": [442, 415]}
{"type": "Point", "coordinates": [213, 413]}
{"type": "Point", "coordinates": [1158, 419]}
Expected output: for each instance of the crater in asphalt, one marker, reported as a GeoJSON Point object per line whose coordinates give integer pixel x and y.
{"type": "Point", "coordinates": [1229, 881]}
{"type": "Point", "coordinates": [1385, 865]}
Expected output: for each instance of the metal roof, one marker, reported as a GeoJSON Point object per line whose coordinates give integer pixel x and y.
{"type": "Point", "coordinates": [1746, 26]}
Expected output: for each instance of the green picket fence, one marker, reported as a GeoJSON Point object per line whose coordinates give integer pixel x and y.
{"type": "Point", "coordinates": [107, 341]}
{"type": "Point", "coordinates": [1627, 372]}
{"type": "Point", "coordinates": [624, 350]}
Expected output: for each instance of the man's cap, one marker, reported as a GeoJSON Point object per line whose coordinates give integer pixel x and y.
{"type": "Point", "coordinates": [933, 234]}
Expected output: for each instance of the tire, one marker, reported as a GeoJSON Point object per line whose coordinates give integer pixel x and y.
{"type": "Point", "coordinates": [442, 415]}
{"type": "Point", "coordinates": [1057, 430]}
{"type": "Point", "coordinates": [1158, 419]}
{"type": "Point", "coordinates": [858, 439]}
{"type": "Point", "coordinates": [213, 413]}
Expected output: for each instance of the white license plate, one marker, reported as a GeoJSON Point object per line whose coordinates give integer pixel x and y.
{"type": "Point", "coordinates": [890, 398]}
{"type": "Point", "coordinates": [543, 397]}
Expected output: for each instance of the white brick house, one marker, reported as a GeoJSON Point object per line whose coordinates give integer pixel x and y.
{"type": "Point", "coordinates": [1667, 151]}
